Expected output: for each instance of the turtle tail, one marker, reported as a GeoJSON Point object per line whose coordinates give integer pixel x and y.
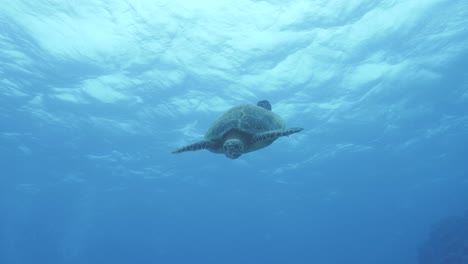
{"type": "Point", "coordinates": [205, 144]}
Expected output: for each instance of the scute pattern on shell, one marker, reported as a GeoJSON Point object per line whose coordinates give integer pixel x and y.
{"type": "Point", "coordinates": [248, 118]}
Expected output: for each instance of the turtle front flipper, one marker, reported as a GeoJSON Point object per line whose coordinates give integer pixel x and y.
{"type": "Point", "coordinates": [204, 144]}
{"type": "Point", "coordinates": [275, 134]}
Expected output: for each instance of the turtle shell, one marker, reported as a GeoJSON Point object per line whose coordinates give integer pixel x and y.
{"type": "Point", "coordinates": [244, 121]}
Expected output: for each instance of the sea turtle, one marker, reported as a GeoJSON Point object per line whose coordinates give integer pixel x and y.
{"type": "Point", "coordinates": [242, 129]}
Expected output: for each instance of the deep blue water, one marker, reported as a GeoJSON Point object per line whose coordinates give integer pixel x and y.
{"type": "Point", "coordinates": [94, 96]}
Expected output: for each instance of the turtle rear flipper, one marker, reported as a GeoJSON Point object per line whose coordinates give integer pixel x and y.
{"type": "Point", "coordinates": [275, 134]}
{"type": "Point", "coordinates": [264, 104]}
{"type": "Point", "coordinates": [204, 144]}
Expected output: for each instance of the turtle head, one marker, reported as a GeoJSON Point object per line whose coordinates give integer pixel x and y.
{"type": "Point", "coordinates": [233, 148]}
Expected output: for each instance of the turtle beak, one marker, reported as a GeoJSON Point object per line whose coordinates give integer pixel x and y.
{"type": "Point", "coordinates": [233, 155]}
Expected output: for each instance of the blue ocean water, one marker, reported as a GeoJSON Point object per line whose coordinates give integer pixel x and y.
{"type": "Point", "coordinates": [95, 95]}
